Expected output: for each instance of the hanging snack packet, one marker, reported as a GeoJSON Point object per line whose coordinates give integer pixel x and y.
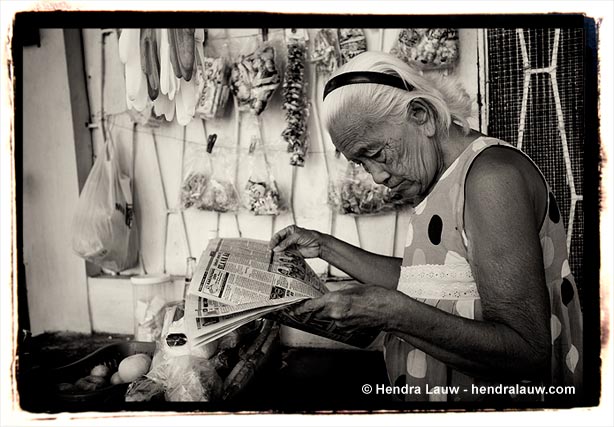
{"type": "Point", "coordinates": [213, 87]}
{"type": "Point", "coordinates": [196, 175]}
{"type": "Point", "coordinates": [427, 48]}
{"type": "Point", "coordinates": [295, 99]}
{"type": "Point", "coordinates": [220, 194]}
{"type": "Point", "coordinates": [261, 195]}
{"type": "Point", "coordinates": [352, 42]}
{"type": "Point", "coordinates": [254, 78]}
{"type": "Point", "coordinates": [352, 191]}
{"type": "Point", "coordinates": [325, 53]}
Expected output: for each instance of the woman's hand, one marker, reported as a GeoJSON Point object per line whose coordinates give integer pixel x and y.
{"type": "Point", "coordinates": [357, 307]}
{"type": "Point", "coordinates": [307, 242]}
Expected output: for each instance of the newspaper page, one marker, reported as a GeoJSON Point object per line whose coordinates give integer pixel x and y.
{"type": "Point", "coordinates": [240, 271]}
{"type": "Point", "coordinates": [240, 280]}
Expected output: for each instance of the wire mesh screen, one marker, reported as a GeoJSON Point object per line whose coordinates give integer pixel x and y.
{"type": "Point", "coordinates": [536, 101]}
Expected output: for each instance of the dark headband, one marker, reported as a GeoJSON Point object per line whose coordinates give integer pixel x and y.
{"type": "Point", "coordinates": [358, 77]}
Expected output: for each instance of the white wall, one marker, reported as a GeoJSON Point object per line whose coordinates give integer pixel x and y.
{"type": "Point", "coordinates": [55, 277]}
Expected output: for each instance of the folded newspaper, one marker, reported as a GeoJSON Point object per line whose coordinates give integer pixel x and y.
{"type": "Point", "coordinates": [240, 280]}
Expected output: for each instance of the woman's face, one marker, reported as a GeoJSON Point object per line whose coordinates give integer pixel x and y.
{"type": "Point", "coordinates": [398, 156]}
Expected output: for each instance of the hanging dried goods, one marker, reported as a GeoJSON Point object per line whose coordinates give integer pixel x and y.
{"type": "Point", "coordinates": [295, 99]}
{"type": "Point", "coordinates": [254, 78]}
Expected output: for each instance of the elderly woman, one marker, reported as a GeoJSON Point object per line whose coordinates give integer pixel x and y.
{"type": "Point", "coordinates": [483, 294]}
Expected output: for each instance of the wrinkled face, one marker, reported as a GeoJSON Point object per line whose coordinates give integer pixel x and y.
{"type": "Point", "coordinates": [398, 156]}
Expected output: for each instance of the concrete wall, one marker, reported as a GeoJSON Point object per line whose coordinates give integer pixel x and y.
{"type": "Point", "coordinates": [55, 277]}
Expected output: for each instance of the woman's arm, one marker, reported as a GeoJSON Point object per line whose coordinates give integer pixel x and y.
{"type": "Point", "coordinates": [362, 265]}
{"type": "Point", "coordinates": [513, 340]}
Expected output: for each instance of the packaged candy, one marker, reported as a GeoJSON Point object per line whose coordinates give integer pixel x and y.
{"type": "Point", "coordinates": [261, 196]}
{"type": "Point", "coordinates": [352, 42]}
{"type": "Point", "coordinates": [295, 98]}
{"type": "Point", "coordinates": [427, 48]}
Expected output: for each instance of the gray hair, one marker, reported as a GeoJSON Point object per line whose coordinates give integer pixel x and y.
{"type": "Point", "coordinates": [376, 103]}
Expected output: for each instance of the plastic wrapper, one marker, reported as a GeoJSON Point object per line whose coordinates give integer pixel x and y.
{"type": "Point", "coordinates": [182, 373]}
{"type": "Point", "coordinates": [295, 104]}
{"type": "Point", "coordinates": [261, 195]}
{"type": "Point", "coordinates": [213, 87]}
{"type": "Point", "coordinates": [427, 48]}
{"type": "Point", "coordinates": [352, 191]}
{"type": "Point", "coordinates": [192, 379]}
{"type": "Point", "coordinates": [254, 78]}
{"type": "Point", "coordinates": [197, 171]}
{"type": "Point", "coordinates": [352, 42]}
{"type": "Point", "coordinates": [325, 53]}
{"type": "Point", "coordinates": [145, 390]}
{"type": "Point", "coordinates": [220, 194]}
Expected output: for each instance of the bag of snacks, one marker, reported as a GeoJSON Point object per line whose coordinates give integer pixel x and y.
{"type": "Point", "coordinates": [254, 78]}
{"type": "Point", "coordinates": [352, 191]}
{"type": "Point", "coordinates": [352, 42]}
{"type": "Point", "coordinates": [295, 98]}
{"type": "Point", "coordinates": [213, 90]}
{"type": "Point", "coordinates": [325, 53]}
{"type": "Point", "coordinates": [261, 196]}
{"type": "Point", "coordinates": [219, 194]}
{"type": "Point", "coordinates": [427, 48]}
{"type": "Point", "coordinates": [197, 172]}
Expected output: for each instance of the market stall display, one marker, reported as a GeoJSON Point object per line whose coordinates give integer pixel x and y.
{"type": "Point", "coordinates": [325, 54]}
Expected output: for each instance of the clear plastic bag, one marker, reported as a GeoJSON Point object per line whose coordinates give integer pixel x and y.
{"type": "Point", "coordinates": [352, 42]}
{"type": "Point", "coordinates": [213, 88]}
{"type": "Point", "coordinates": [261, 195]}
{"type": "Point", "coordinates": [254, 78]}
{"type": "Point", "coordinates": [186, 375]}
{"type": "Point", "coordinates": [104, 228]}
{"type": "Point", "coordinates": [427, 48]}
{"type": "Point", "coordinates": [352, 191]}
{"type": "Point", "coordinates": [197, 172]}
{"type": "Point", "coordinates": [325, 54]}
{"type": "Point", "coordinates": [220, 194]}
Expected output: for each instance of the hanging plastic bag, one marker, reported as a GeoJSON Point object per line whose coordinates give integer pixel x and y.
{"type": "Point", "coordinates": [196, 175]}
{"type": "Point", "coordinates": [352, 191]}
{"type": "Point", "coordinates": [352, 42]}
{"type": "Point", "coordinates": [103, 229]}
{"type": "Point", "coordinates": [326, 53]}
{"type": "Point", "coordinates": [254, 78]}
{"type": "Point", "coordinates": [261, 195]}
{"type": "Point", "coordinates": [427, 48]}
{"type": "Point", "coordinates": [213, 90]}
{"type": "Point", "coordinates": [220, 194]}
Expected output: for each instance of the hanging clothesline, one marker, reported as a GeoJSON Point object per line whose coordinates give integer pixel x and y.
{"type": "Point", "coordinates": [203, 142]}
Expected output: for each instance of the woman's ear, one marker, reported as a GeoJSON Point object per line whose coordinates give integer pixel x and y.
{"type": "Point", "coordinates": [422, 114]}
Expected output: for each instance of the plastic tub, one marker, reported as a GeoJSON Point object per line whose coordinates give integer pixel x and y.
{"type": "Point", "coordinates": [150, 293]}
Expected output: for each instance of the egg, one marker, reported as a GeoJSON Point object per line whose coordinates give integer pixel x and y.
{"type": "Point", "coordinates": [133, 367]}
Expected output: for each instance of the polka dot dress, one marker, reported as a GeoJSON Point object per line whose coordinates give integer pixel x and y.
{"type": "Point", "coordinates": [435, 271]}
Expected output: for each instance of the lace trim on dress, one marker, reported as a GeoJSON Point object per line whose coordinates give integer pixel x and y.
{"type": "Point", "coordinates": [434, 281]}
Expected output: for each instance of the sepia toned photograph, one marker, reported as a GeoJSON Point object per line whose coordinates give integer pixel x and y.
{"type": "Point", "coordinates": [326, 214]}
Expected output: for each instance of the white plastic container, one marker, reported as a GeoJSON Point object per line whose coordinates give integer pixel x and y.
{"type": "Point", "coordinates": [150, 294]}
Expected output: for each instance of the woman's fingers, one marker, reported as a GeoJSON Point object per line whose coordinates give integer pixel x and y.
{"type": "Point", "coordinates": [283, 238]}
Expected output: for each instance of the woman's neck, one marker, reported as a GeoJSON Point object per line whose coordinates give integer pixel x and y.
{"type": "Point", "coordinates": [457, 142]}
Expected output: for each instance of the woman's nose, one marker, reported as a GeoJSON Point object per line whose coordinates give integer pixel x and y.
{"type": "Point", "coordinates": [380, 176]}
